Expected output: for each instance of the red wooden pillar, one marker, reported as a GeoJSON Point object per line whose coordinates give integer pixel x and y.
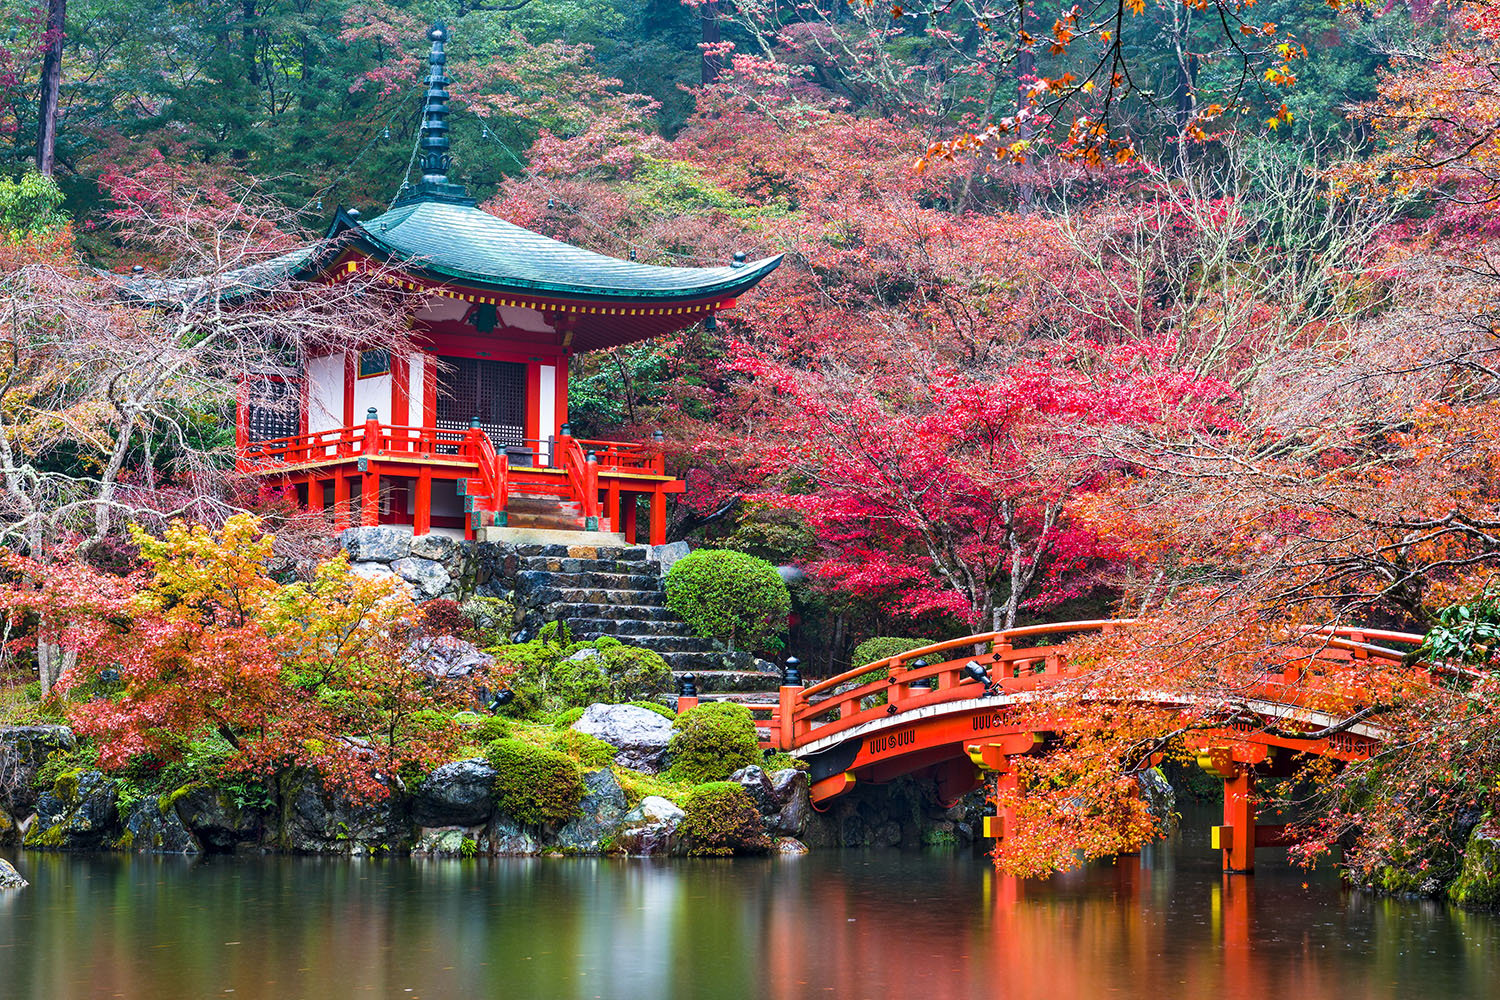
{"type": "Point", "coordinates": [612, 505]}
{"type": "Point", "coordinates": [658, 517]}
{"type": "Point", "coordinates": [340, 499]}
{"type": "Point", "coordinates": [369, 495]}
{"type": "Point", "coordinates": [1236, 838]}
{"type": "Point", "coordinates": [630, 513]}
{"type": "Point", "coordinates": [1003, 823]}
{"type": "Point", "coordinates": [421, 522]}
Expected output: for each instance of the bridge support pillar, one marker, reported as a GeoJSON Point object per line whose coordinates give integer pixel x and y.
{"type": "Point", "coordinates": [1236, 838]}
{"type": "Point", "coordinates": [1004, 785]}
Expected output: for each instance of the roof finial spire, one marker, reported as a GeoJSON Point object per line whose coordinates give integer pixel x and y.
{"type": "Point", "coordinates": [434, 159]}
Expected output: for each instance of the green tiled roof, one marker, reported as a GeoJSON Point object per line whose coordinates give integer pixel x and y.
{"type": "Point", "coordinates": [463, 242]}
{"type": "Point", "coordinates": [253, 279]}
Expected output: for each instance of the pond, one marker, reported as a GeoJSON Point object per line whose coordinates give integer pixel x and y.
{"type": "Point", "coordinates": [848, 924]}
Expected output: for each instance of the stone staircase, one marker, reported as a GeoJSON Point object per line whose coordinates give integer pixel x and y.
{"type": "Point", "coordinates": [614, 590]}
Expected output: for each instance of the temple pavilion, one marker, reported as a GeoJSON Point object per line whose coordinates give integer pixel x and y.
{"type": "Point", "coordinates": [470, 428]}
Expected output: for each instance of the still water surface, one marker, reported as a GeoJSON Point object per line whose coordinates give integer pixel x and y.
{"type": "Point", "coordinates": [853, 924]}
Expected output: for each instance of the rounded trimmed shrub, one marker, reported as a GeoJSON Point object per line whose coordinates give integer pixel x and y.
{"type": "Point", "coordinates": [730, 596]}
{"type": "Point", "coordinates": [538, 786]}
{"type": "Point", "coordinates": [722, 820]}
{"type": "Point", "coordinates": [489, 729]}
{"type": "Point", "coordinates": [883, 647]}
{"type": "Point", "coordinates": [633, 671]}
{"type": "Point", "coordinates": [712, 742]}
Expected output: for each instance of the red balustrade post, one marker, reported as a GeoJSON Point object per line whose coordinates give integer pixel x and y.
{"type": "Point", "coordinates": [787, 697]}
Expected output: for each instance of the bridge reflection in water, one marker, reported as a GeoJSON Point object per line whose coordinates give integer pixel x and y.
{"type": "Point", "coordinates": [931, 926]}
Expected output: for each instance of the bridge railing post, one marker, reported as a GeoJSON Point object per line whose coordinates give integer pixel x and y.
{"type": "Point", "coordinates": [786, 698]}
{"type": "Point", "coordinates": [1236, 838]}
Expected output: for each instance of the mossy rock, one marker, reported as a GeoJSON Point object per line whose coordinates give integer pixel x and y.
{"type": "Point", "coordinates": [1478, 883]}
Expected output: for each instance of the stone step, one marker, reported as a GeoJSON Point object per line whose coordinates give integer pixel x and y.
{"type": "Point", "coordinates": [552, 538]}
{"type": "Point", "coordinates": [700, 662]}
{"type": "Point", "coordinates": [564, 564]}
{"type": "Point", "coordinates": [626, 628]}
{"type": "Point", "coordinates": [586, 550]}
{"type": "Point", "coordinates": [603, 595]}
{"type": "Point", "coordinates": [613, 612]}
{"type": "Point", "coordinates": [592, 581]}
{"type": "Point", "coordinates": [735, 681]}
{"type": "Point", "coordinates": [660, 643]}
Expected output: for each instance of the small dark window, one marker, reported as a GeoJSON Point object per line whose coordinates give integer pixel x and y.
{"type": "Point", "coordinates": [372, 363]}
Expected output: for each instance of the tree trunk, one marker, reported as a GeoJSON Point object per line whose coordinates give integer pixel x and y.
{"type": "Point", "coordinates": [46, 132]}
{"type": "Point", "coordinates": [1025, 70]}
{"type": "Point", "coordinates": [713, 63]}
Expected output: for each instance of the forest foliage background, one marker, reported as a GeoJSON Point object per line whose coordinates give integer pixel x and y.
{"type": "Point", "coordinates": [1179, 311]}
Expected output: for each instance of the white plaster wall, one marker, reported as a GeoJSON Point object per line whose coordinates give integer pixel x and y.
{"type": "Point", "coordinates": [547, 425]}
{"type": "Point", "coordinates": [414, 409]}
{"type": "Point", "coordinates": [325, 393]}
{"type": "Point", "coordinates": [376, 392]}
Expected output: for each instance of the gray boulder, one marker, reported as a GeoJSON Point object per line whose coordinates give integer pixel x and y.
{"type": "Point", "coordinates": [506, 838]}
{"type": "Point", "coordinates": [640, 734]}
{"type": "Point", "coordinates": [599, 814]}
{"type": "Point", "coordinates": [782, 798]}
{"type": "Point", "coordinates": [215, 820]}
{"type": "Point", "coordinates": [438, 548]}
{"type": "Point", "coordinates": [447, 657]}
{"type": "Point", "coordinates": [151, 830]}
{"type": "Point", "coordinates": [376, 543]}
{"type": "Point", "coordinates": [79, 813]}
{"type": "Point", "coordinates": [667, 555]}
{"type": "Point", "coordinates": [794, 809]}
{"type": "Point", "coordinates": [428, 578]}
{"type": "Point", "coordinates": [651, 828]}
{"type": "Point", "coordinates": [1161, 801]}
{"type": "Point", "coordinates": [9, 877]}
{"type": "Point", "coordinates": [319, 821]}
{"type": "Point", "coordinates": [456, 794]}
{"type": "Point", "coordinates": [23, 749]}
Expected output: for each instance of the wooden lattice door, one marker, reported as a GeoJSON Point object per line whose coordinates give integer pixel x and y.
{"type": "Point", "coordinates": [493, 391]}
{"type": "Point", "coordinates": [274, 409]}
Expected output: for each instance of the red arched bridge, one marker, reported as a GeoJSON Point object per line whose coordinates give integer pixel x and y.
{"type": "Point", "coordinates": [949, 713]}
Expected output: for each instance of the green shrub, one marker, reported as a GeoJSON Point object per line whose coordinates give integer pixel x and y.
{"type": "Point", "coordinates": [712, 742]}
{"type": "Point", "coordinates": [489, 729]}
{"type": "Point", "coordinates": [494, 618]}
{"type": "Point", "coordinates": [730, 596]}
{"type": "Point", "coordinates": [722, 820]}
{"type": "Point", "coordinates": [655, 706]}
{"type": "Point", "coordinates": [536, 785]}
{"type": "Point", "coordinates": [883, 647]}
{"type": "Point", "coordinates": [633, 671]}
{"type": "Point", "coordinates": [589, 751]}
{"type": "Point", "coordinates": [552, 675]}
{"type": "Point", "coordinates": [567, 717]}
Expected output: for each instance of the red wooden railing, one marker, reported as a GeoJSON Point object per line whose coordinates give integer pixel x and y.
{"type": "Point", "coordinates": [626, 456]}
{"type": "Point", "coordinates": [805, 714]}
{"type": "Point", "coordinates": [583, 474]}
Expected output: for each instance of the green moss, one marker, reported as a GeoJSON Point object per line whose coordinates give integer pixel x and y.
{"type": "Point", "coordinates": [165, 802]}
{"type": "Point", "coordinates": [780, 761]}
{"type": "Point", "coordinates": [729, 596]}
{"type": "Point", "coordinates": [590, 752]}
{"type": "Point", "coordinates": [488, 729]}
{"type": "Point", "coordinates": [53, 837]}
{"type": "Point", "coordinates": [712, 742]}
{"type": "Point", "coordinates": [722, 820]}
{"type": "Point", "coordinates": [567, 717]}
{"type": "Point", "coordinates": [536, 785]}
{"type": "Point", "coordinates": [1478, 882]}
{"type": "Point", "coordinates": [637, 785]}
{"type": "Point", "coordinates": [551, 678]}
{"type": "Point", "coordinates": [126, 842]}
{"type": "Point", "coordinates": [65, 787]}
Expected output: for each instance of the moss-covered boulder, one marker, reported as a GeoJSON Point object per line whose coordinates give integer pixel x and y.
{"type": "Point", "coordinates": [79, 813]}
{"type": "Point", "coordinates": [1478, 882]}
{"type": "Point", "coordinates": [722, 820]}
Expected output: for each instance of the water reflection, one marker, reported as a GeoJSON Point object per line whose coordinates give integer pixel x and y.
{"type": "Point", "coordinates": [877, 924]}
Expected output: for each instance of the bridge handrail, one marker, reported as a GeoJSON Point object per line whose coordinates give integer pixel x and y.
{"type": "Point", "coordinates": [803, 714]}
